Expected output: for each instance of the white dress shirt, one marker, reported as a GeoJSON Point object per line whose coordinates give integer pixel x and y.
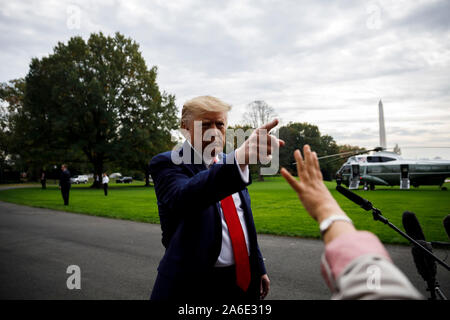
{"type": "Point", "coordinates": [226, 256]}
{"type": "Point", "coordinates": [105, 179]}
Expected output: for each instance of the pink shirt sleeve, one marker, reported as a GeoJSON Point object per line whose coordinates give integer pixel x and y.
{"type": "Point", "coordinates": [347, 247]}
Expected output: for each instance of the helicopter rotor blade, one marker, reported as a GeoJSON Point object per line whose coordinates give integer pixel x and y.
{"type": "Point", "coordinates": [339, 154]}
{"type": "Point", "coordinates": [354, 152]}
{"type": "Point", "coordinates": [349, 153]}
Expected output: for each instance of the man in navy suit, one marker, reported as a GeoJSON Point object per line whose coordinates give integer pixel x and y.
{"type": "Point", "coordinates": [212, 253]}
{"type": "Point", "coordinates": [64, 183]}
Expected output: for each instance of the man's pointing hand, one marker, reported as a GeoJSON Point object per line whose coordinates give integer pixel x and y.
{"type": "Point", "coordinates": [259, 147]}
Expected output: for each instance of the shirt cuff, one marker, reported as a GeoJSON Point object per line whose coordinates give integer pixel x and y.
{"type": "Point", "coordinates": [346, 248]}
{"type": "Point", "coordinates": [245, 174]}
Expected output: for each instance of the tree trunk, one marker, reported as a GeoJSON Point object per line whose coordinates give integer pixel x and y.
{"type": "Point", "coordinates": [260, 176]}
{"type": "Point", "coordinates": [147, 176]}
{"type": "Point", "coordinates": [98, 172]}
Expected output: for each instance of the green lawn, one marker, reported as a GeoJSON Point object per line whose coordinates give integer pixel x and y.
{"type": "Point", "coordinates": [276, 208]}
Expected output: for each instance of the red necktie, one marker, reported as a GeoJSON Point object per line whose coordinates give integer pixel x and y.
{"type": "Point", "coordinates": [237, 242]}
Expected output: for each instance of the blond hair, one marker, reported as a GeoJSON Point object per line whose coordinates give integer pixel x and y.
{"type": "Point", "coordinates": [202, 104]}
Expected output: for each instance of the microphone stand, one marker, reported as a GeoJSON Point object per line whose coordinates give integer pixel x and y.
{"type": "Point", "coordinates": [377, 216]}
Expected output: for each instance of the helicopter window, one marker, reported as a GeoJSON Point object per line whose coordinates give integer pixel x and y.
{"type": "Point", "coordinates": [374, 169]}
{"type": "Point", "coordinates": [421, 167]}
{"type": "Point", "coordinates": [379, 159]}
{"type": "Point", "coordinates": [346, 169]}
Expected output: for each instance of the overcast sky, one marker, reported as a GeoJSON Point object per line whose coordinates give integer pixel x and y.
{"type": "Point", "coordinates": [323, 62]}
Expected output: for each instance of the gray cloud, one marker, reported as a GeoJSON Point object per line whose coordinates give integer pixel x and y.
{"type": "Point", "coordinates": [323, 62]}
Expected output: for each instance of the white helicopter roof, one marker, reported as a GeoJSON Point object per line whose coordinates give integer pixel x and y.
{"type": "Point", "coordinates": [387, 157]}
{"type": "Point", "coordinates": [390, 156]}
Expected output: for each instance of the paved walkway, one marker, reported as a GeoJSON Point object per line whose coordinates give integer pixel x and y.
{"type": "Point", "coordinates": [18, 186]}
{"type": "Point", "coordinates": [118, 259]}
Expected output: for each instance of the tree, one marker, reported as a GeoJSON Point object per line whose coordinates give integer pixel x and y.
{"type": "Point", "coordinates": [97, 101]}
{"type": "Point", "coordinates": [3, 140]}
{"type": "Point", "coordinates": [259, 113]}
{"type": "Point", "coordinates": [298, 134]}
{"type": "Point", "coordinates": [233, 145]}
{"type": "Point", "coordinates": [17, 146]}
{"type": "Point", "coordinates": [135, 136]}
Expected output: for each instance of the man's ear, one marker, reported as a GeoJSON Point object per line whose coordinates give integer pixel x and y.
{"type": "Point", "coordinates": [183, 125]}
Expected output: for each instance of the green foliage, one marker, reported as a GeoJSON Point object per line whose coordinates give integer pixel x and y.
{"type": "Point", "coordinates": [296, 135]}
{"type": "Point", "coordinates": [246, 128]}
{"type": "Point", "coordinates": [3, 136]}
{"type": "Point", "coordinates": [94, 101]}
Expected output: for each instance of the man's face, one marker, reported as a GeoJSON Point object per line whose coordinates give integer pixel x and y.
{"type": "Point", "coordinates": [213, 127]}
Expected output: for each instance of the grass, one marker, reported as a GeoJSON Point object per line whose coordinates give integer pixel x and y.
{"type": "Point", "coordinates": [124, 201]}
{"type": "Point", "coordinates": [276, 208]}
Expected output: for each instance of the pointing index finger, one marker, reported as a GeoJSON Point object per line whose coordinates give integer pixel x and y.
{"type": "Point", "coordinates": [270, 125]}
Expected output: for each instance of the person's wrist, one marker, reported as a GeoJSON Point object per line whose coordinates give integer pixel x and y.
{"type": "Point", "coordinates": [240, 155]}
{"type": "Point", "coordinates": [336, 229]}
{"type": "Point", "coordinates": [326, 211]}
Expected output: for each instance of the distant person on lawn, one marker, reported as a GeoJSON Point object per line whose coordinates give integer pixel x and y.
{"type": "Point", "coordinates": [64, 183]}
{"type": "Point", "coordinates": [43, 180]}
{"type": "Point", "coordinates": [105, 181]}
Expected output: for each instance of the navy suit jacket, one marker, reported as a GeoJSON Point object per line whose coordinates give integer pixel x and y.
{"type": "Point", "coordinates": [188, 196]}
{"type": "Point", "coordinates": [64, 179]}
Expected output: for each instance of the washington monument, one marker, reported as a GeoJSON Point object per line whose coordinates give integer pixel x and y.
{"type": "Point", "coordinates": [381, 121]}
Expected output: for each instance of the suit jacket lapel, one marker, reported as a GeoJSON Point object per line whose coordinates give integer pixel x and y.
{"type": "Point", "coordinates": [191, 159]}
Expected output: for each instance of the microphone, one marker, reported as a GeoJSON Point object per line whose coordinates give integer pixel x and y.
{"type": "Point", "coordinates": [412, 226]}
{"type": "Point", "coordinates": [409, 221]}
{"type": "Point", "coordinates": [446, 223]}
{"type": "Point", "coordinates": [363, 203]}
{"type": "Point", "coordinates": [426, 266]}
{"type": "Point", "coordinates": [413, 229]}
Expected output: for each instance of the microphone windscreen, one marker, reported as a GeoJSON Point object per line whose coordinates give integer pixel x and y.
{"type": "Point", "coordinates": [412, 226]}
{"type": "Point", "coordinates": [446, 223]}
{"type": "Point", "coordinates": [426, 266]}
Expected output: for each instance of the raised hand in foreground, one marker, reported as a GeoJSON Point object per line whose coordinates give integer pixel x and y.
{"type": "Point", "coordinates": [313, 193]}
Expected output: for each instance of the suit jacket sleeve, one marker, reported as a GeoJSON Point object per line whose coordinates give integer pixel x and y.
{"type": "Point", "coordinates": [64, 179]}
{"type": "Point", "coordinates": [181, 192]}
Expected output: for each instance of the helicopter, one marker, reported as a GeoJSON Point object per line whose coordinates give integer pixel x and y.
{"type": "Point", "coordinates": [386, 168]}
